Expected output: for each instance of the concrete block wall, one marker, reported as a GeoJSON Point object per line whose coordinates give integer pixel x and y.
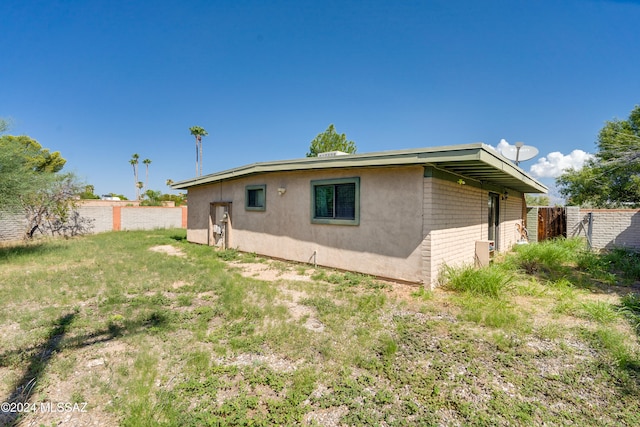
{"type": "Point", "coordinates": [532, 224]}
{"type": "Point", "coordinates": [12, 226]}
{"type": "Point", "coordinates": [148, 217]}
{"type": "Point", "coordinates": [455, 217]}
{"type": "Point", "coordinates": [574, 221]}
{"type": "Point", "coordinates": [102, 217]}
{"type": "Point", "coordinates": [510, 216]}
{"type": "Point", "coordinates": [107, 218]}
{"type": "Point", "coordinates": [611, 228]}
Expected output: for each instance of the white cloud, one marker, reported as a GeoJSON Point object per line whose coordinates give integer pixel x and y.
{"type": "Point", "coordinates": [556, 163]}
{"type": "Point", "coordinates": [501, 145]}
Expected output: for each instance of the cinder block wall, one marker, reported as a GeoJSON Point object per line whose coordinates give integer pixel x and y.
{"type": "Point", "coordinates": [455, 217]}
{"type": "Point", "coordinates": [574, 221]}
{"type": "Point", "coordinates": [532, 224]}
{"type": "Point", "coordinates": [102, 217]}
{"type": "Point", "coordinates": [107, 218]}
{"type": "Point", "coordinates": [611, 228]}
{"type": "Point", "coordinates": [150, 217]}
{"type": "Point", "coordinates": [12, 226]}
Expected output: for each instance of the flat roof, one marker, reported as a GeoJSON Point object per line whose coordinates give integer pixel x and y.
{"type": "Point", "coordinates": [477, 161]}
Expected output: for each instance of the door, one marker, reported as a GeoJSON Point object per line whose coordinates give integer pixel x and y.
{"type": "Point", "coordinates": [220, 224]}
{"type": "Point", "coordinates": [494, 219]}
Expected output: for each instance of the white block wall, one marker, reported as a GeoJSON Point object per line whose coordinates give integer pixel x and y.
{"type": "Point", "coordinates": [148, 218]}
{"type": "Point", "coordinates": [12, 226]}
{"type": "Point", "coordinates": [455, 217]}
{"type": "Point", "coordinates": [611, 228]}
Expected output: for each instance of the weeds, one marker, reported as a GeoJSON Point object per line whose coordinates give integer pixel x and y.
{"type": "Point", "coordinates": [486, 281]}
{"type": "Point", "coordinates": [599, 311]}
{"type": "Point", "coordinates": [630, 308]}
{"type": "Point", "coordinates": [549, 257]}
{"type": "Point", "coordinates": [188, 342]}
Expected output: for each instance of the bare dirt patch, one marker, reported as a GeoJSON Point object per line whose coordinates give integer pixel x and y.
{"type": "Point", "coordinates": [167, 249]}
{"type": "Point", "coordinates": [271, 271]}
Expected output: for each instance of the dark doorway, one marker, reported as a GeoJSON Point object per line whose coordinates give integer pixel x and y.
{"type": "Point", "coordinates": [494, 219]}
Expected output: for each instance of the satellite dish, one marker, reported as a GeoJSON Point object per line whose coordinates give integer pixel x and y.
{"type": "Point", "coordinates": [519, 152]}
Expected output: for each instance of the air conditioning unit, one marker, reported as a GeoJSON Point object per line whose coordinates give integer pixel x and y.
{"type": "Point", "coordinates": [333, 154]}
{"type": "Point", "coordinates": [484, 252]}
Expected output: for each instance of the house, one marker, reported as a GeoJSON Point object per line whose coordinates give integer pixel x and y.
{"type": "Point", "coordinates": [395, 214]}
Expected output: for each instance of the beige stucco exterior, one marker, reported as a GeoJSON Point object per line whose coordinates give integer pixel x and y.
{"type": "Point", "coordinates": [410, 224]}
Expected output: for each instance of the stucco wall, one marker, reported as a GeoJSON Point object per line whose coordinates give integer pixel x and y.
{"type": "Point", "coordinates": [409, 225]}
{"type": "Point", "coordinates": [611, 228]}
{"type": "Point", "coordinates": [386, 243]}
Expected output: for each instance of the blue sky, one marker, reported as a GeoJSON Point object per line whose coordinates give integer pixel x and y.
{"type": "Point", "coordinates": [101, 80]}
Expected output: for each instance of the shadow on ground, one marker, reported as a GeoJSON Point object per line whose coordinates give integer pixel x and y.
{"type": "Point", "coordinates": [53, 344]}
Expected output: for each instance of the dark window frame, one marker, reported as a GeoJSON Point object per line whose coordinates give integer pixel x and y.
{"type": "Point", "coordinates": [345, 213]}
{"type": "Point", "coordinates": [248, 198]}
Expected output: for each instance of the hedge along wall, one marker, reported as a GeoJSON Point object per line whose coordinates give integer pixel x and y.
{"type": "Point", "coordinates": [107, 218]}
{"type": "Point", "coordinates": [610, 228]}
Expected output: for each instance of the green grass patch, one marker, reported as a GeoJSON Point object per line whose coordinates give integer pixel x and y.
{"type": "Point", "coordinates": [152, 339]}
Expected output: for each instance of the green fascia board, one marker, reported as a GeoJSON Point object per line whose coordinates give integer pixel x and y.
{"type": "Point", "coordinates": [477, 153]}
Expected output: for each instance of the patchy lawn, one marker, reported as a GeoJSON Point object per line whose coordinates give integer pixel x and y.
{"type": "Point", "coordinates": [144, 329]}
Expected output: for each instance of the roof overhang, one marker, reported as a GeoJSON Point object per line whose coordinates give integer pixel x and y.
{"type": "Point", "coordinates": [478, 161]}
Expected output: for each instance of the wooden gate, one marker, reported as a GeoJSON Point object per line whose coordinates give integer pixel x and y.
{"type": "Point", "coordinates": [552, 222]}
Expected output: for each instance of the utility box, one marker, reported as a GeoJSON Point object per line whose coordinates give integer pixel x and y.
{"type": "Point", "coordinates": [484, 252]}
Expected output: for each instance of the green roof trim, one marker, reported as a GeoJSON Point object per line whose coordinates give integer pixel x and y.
{"type": "Point", "coordinates": [474, 161]}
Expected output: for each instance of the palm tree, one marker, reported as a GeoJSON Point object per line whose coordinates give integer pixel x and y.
{"type": "Point", "coordinates": [146, 162]}
{"type": "Point", "coordinates": [198, 132]}
{"type": "Point", "coordinates": [134, 164]}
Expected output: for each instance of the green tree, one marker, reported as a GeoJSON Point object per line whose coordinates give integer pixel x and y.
{"type": "Point", "coordinates": [330, 140]}
{"type": "Point", "coordinates": [134, 164]}
{"type": "Point", "coordinates": [37, 158]}
{"type": "Point", "coordinates": [151, 198]}
{"type": "Point", "coordinates": [25, 167]}
{"type": "Point", "coordinates": [146, 163]}
{"type": "Point", "coordinates": [30, 182]}
{"type": "Point", "coordinates": [198, 133]}
{"type": "Point", "coordinates": [16, 177]}
{"type": "Point", "coordinates": [537, 200]}
{"type": "Point", "coordinates": [88, 193]}
{"type": "Point", "coordinates": [612, 177]}
{"type": "Point", "coordinates": [179, 199]}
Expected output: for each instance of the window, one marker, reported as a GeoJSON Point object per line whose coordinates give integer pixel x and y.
{"type": "Point", "coordinates": [335, 201]}
{"type": "Point", "coordinates": [255, 197]}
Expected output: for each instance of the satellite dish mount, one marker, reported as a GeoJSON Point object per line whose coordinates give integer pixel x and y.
{"type": "Point", "coordinates": [519, 152]}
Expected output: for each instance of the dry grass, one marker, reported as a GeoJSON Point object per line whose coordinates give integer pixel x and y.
{"type": "Point", "coordinates": [148, 338]}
